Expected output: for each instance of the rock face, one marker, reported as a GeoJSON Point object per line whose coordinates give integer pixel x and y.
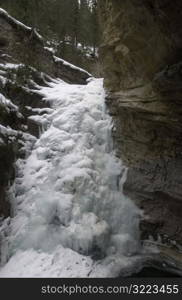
{"type": "Point", "coordinates": [142, 64]}
{"type": "Point", "coordinates": [25, 63]}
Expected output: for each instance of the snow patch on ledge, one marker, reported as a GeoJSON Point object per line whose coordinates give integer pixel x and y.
{"type": "Point", "coordinates": [65, 63]}
{"type": "Point", "coordinates": [7, 104]}
{"type": "Point", "coordinates": [20, 24]}
{"type": "Point", "coordinates": [9, 66]}
{"type": "Point", "coordinates": [5, 13]}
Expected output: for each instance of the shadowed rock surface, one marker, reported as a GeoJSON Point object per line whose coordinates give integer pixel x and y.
{"type": "Point", "coordinates": [142, 64]}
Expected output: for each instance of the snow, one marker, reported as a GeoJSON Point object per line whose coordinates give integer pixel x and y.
{"type": "Point", "coordinates": [7, 103]}
{"type": "Point", "coordinates": [3, 80]}
{"type": "Point", "coordinates": [37, 34]}
{"type": "Point", "coordinates": [1, 141]}
{"type": "Point", "coordinates": [68, 204]}
{"type": "Point", "coordinates": [20, 24]}
{"type": "Point", "coordinates": [26, 139]}
{"type": "Point", "coordinates": [2, 72]}
{"type": "Point", "coordinates": [50, 49]}
{"type": "Point", "coordinates": [65, 263]}
{"type": "Point", "coordinates": [8, 131]}
{"type": "Point", "coordinates": [40, 110]}
{"type": "Point", "coordinates": [57, 59]}
{"type": "Point", "coordinates": [3, 12]}
{"type": "Point", "coordinates": [7, 66]}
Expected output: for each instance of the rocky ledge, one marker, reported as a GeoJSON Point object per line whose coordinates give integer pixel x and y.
{"type": "Point", "coordinates": [142, 64]}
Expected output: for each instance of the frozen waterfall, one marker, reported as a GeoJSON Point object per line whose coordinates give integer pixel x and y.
{"type": "Point", "coordinates": [70, 218]}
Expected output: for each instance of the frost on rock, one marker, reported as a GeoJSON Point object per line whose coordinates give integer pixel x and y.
{"type": "Point", "coordinates": [70, 216]}
{"type": "Point", "coordinates": [7, 104]}
{"type": "Point", "coordinates": [65, 63]}
{"type": "Point", "coordinates": [7, 66]}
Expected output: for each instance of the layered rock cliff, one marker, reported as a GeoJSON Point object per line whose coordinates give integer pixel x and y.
{"type": "Point", "coordinates": [142, 65]}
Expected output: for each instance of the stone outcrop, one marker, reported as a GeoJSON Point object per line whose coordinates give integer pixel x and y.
{"type": "Point", "coordinates": [142, 65]}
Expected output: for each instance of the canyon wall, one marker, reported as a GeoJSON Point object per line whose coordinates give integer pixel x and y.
{"type": "Point", "coordinates": [141, 56]}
